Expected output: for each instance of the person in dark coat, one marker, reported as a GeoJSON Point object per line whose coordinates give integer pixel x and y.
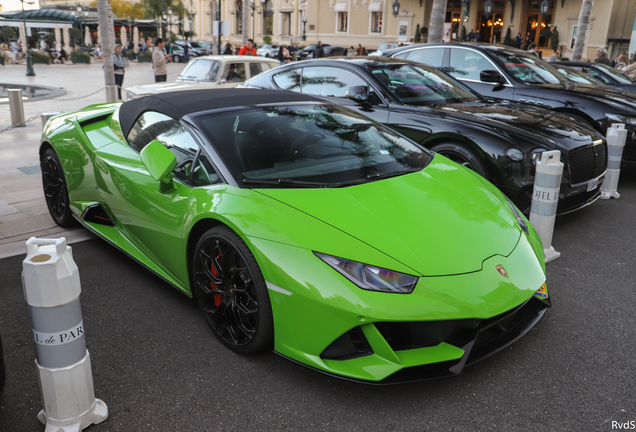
{"type": "Point", "coordinates": [319, 51]}
{"type": "Point", "coordinates": [601, 56]}
{"type": "Point", "coordinates": [518, 41]}
{"type": "Point", "coordinates": [228, 49]}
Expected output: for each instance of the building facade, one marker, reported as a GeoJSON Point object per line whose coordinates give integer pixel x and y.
{"type": "Point", "coordinates": [372, 22]}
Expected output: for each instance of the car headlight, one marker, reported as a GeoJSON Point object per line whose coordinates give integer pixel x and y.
{"type": "Point", "coordinates": [369, 277]}
{"type": "Point", "coordinates": [515, 154]}
{"type": "Point", "coordinates": [618, 118]}
{"type": "Point", "coordinates": [521, 220]}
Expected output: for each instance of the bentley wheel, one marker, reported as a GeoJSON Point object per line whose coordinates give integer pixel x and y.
{"type": "Point", "coordinates": [55, 189]}
{"type": "Point", "coordinates": [176, 59]}
{"type": "Point", "coordinates": [463, 155]}
{"type": "Point", "coordinates": [231, 291]}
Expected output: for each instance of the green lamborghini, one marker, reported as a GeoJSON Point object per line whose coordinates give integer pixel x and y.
{"type": "Point", "coordinates": [303, 227]}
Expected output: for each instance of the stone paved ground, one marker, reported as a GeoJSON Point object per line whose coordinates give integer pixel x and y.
{"type": "Point", "coordinates": [23, 212]}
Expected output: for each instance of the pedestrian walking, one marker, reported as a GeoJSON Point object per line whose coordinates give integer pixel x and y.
{"type": "Point", "coordinates": [518, 40]}
{"type": "Point", "coordinates": [120, 64]}
{"type": "Point", "coordinates": [159, 60]}
{"type": "Point", "coordinates": [229, 50]}
{"type": "Point", "coordinates": [319, 51]}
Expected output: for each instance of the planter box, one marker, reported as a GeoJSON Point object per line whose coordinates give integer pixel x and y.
{"type": "Point", "coordinates": [40, 60]}
{"type": "Point", "coordinates": [82, 61]}
{"type": "Point", "coordinates": [2, 61]}
{"type": "Point", "coordinates": [144, 59]}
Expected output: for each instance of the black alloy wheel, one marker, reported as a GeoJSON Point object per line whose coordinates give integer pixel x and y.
{"type": "Point", "coordinates": [55, 189]}
{"type": "Point", "coordinates": [464, 156]}
{"type": "Point", "coordinates": [231, 291]}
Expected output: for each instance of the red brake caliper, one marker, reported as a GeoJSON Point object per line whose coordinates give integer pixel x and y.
{"type": "Point", "coordinates": [217, 297]}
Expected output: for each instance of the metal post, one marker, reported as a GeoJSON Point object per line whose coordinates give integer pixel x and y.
{"type": "Point", "coordinates": [29, 62]}
{"type": "Point", "coordinates": [46, 116]}
{"type": "Point", "coordinates": [16, 107]}
{"type": "Point", "coordinates": [51, 284]}
{"type": "Point", "coordinates": [545, 198]}
{"type": "Point", "coordinates": [616, 136]}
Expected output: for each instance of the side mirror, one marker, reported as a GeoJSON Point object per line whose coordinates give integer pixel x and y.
{"type": "Point", "coordinates": [492, 76]}
{"type": "Point", "coordinates": [359, 94]}
{"type": "Point", "coordinates": [159, 161]}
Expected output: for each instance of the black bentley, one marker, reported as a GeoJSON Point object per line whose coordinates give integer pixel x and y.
{"type": "Point", "coordinates": [500, 141]}
{"type": "Point", "coordinates": [496, 71]}
{"type": "Point", "coordinates": [602, 72]}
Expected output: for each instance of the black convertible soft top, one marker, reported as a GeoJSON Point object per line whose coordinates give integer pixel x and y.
{"type": "Point", "coordinates": [179, 104]}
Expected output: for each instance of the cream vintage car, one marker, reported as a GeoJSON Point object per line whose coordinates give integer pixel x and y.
{"type": "Point", "coordinates": [221, 71]}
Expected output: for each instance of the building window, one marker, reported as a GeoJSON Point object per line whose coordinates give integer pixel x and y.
{"type": "Point", "coordinates": [268, 18]}
{"type": "Point", "coordinates": [376, 22]}
{"type": "Point", "coordinates": [343, 18]}
{"type": "Point", "coordinates": [286, 23]}
{"type": "Point", "coordinates": [239, 17]}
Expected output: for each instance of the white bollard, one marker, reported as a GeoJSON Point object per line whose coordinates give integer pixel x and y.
{"type": "Point", "coordinates": [616, 136]}
{"type": "Point", "coordinates": [545, 198]}
{"type": "Point", "coordinates": [51, 284]}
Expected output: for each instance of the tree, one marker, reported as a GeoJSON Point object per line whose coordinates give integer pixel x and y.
{"type": "Point", "coordinates": [74, 34]}
{"type": "Point", "coordinates": [246, 21]}
{"type": "Point", "coordinates": [125, 9]}
{"type": "Point", "coordinates": [107, 39]}
{"type": "Point", "coordinates": [508, 40]}
{"type": "Point", "coordinates": [417, 38]}
{"type": "Point", "coordinates": [438, 18]}
{"type": "Point", "coordinates": [581, 29]}
{"type": "Point", "coordinates": [7, 33]}
{"type": "Point", "coordinates": [554, 40]}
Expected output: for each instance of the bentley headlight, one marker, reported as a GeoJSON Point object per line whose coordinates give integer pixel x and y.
{"type": "Point", "coordinates": [515, 154]}
{"type": "Point", "coordinates": [521, 220]}
{"type": "Point", "coordinates": [369, 277]}
{"type": "Point", "coordinates": [618, 118]}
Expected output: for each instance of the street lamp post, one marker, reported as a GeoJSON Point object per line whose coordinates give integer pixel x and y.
{"type": "Point", "coordinates": [464, 19]}
{"type": "Point", "coordinates": [252, 6]}
{"type": "Point", "coordinates": [29, 61]}
{"type": "Point", "coordinates": [79, 17]}
{"type": "Point", "coordinates": [130, 29]}
{"type": "Point", "coordinates": [545, 7]}
{"type": "Point", "coordinates": [488, 8]}
{"type": "Point", "coordinates": [304, 20]}
{"type": "Point", "coordinates": [396, 8]}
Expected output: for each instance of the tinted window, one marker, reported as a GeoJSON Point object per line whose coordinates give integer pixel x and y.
{"type": "Point", "coordinates": [255, 69]}
{"type": "Point", "coordinates": [308, 146]}
{"type": "Point", "coordinates": [616, 74]}
{"type": "Point", "coordinates": [468, 64]}
{"type": "Point", "coordinates": [329, 81]}
{"type": "Point", "coordinates": [420, 86]}
{"type": "Point", "coordinates": [288, 80]}
{"type": "Point", "coordinates": [528, 68]}
{"type": "Point", "coordinates": [430, 56]}
{"type": "Point", "coordinates": [599, 76]}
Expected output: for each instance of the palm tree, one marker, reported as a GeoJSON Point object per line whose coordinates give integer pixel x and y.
{"type": "Point", "coordinates": [581, 31]}
{"type": "Point", "coordinates": [438, 17]}
{"type": "Point", "coordinates": [107, 40]}
{"type": "Point", "coordinates": [246, 21]}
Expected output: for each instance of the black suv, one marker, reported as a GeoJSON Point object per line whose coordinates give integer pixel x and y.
{"type": "Point", "coordinates": [496, 71]}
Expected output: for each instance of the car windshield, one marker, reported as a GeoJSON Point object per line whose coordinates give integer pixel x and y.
{"type": "Point", "coordinates": [201, 70]}
{"type": "Point", "coordinates": [577, 76]}
{"type": "Point", "coordinates": [419, 87]}
{"type": "Point", "coordinates": [617, 75]}
{"type": "Point", "coordinates": [308, 146]}
{"type": "Point", "coordinates": [528, 68]}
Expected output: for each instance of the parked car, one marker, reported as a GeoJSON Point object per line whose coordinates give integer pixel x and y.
{"type": "Point", "coordinates": [198, 51]}
{"type": "Point", "coordinates": [505, 73]}
{"type": "Point", "coordinates": [204, 47]}
{"type": "Point", "coordinates": [576, 75]}
{"type": "Point", "coordinates": [331, 51]}
{"type": "Point", "coordinates": [601, 72]}
{"type": "Point", "coordinates": [178, 53]}
{"type": "Point", "coordinates": [500, 141]}
{"type": "Point", "coordinates": [303, 227]}
{"type": "Point", "coordinates": [309, 49]}
{"type": "Point", "coordinates": [209, 72]}
{"type": "Point", "coordinates": [267, 50]}
{"type": "Point", "coordinates": [387, 46]}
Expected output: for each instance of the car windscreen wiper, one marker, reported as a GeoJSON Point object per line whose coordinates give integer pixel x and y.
{"type": "Point", "coordinates": [378, 176]}
{"type": "Point", "coordinates": [285, 181]}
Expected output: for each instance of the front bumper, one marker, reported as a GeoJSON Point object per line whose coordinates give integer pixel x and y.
{"type": "Point", "coordinates": [323, 321]}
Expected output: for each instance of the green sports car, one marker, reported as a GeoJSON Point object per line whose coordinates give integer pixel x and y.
{"type": "Point", "coordinates": [304, 227]}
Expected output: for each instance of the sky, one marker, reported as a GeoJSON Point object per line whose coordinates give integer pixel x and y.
{"type": "Point", "coordinates": [13, 5]}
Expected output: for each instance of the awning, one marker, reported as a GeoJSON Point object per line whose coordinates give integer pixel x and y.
{"type": "Point", "coordinates": [376, 6]}
{"type": "Point", "coordinates": [342, 6]}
